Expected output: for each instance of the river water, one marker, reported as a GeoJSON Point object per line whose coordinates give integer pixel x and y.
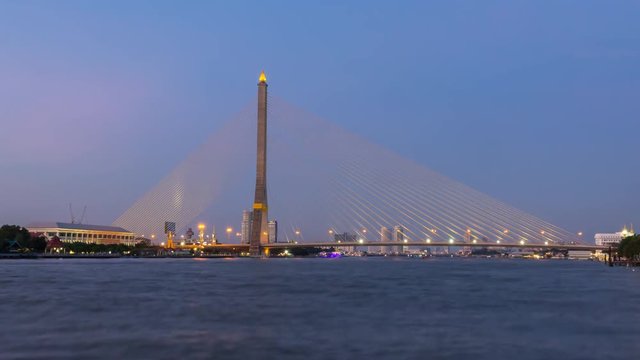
{"type": "Point", "coordinates": [346, 308]}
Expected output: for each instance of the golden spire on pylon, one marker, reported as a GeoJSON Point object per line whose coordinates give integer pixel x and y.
{"type": "Point", "coordinates": [263, 77]}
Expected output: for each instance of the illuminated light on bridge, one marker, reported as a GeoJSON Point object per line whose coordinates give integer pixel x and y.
{"type": "Point", "coordinates": [450, 241]}
{"type": "Point", "coordinates": [428, 241]}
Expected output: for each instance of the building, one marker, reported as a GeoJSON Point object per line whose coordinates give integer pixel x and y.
{"type": "Point", "coordinates": [245, 227]}
{"type": "Point", "coordinates": [398, 237]}
{"type": "Point", "coordinates": [613, 239]}
{"type": "Point", "coordinates": [345, 238]}
{"type": "Point", "coordinates": [273, 231]}
{"type": "Point", "coordinates": [97, 234]}
{"type": "Point", "coordinates": [385, 237]}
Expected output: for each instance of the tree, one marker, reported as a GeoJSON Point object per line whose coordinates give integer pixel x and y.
{"type": "Point", "coordinates": [38, 244]}
{"type": "Point", "coordinates": [630, 247]}
{"type": "Point", "coordinates": [13, 233]}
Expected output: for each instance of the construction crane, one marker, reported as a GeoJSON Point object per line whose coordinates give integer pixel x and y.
{"type": "Point", "coordinates": [73, 217]}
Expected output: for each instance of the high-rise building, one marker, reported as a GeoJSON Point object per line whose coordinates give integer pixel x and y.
{"type": "Point", "coordinates": [273, 231]}
{"type": "Point", "coordinates": [259, 226]}
{"type": "Point", "coordinates": [345, 238]}
{"type": "Point", "coordinates": [245, 227]}
{"type": "Point", "coordinates": [398, 237]}
{"type": "Point", "coordinates": [385, 236]}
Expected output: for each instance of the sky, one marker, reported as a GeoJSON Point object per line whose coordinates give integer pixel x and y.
{"type": "Point", "coordinates": [531, 102]}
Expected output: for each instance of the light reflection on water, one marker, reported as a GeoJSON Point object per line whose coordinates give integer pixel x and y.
{"type": "Point", "coordinates": [318, 308]}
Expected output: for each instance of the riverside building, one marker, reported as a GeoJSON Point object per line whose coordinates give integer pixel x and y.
{"type": "Point", "coordinates": [96, 234]}
{"type": "Point", "coordinates": [613, 239]}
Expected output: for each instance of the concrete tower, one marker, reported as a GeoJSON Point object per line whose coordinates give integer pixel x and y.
{"type": "Point", "coordinates": [260, 219]}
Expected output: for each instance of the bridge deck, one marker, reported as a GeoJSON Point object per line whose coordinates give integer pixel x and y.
{"type": "Point", "coordinates": [420, 244]}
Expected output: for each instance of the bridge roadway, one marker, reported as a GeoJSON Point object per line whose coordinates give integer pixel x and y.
{"type": "Point", "coordinates": [549, 246]}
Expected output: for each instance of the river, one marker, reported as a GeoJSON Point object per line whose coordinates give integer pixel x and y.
{"type": "Point", "coordinates": [345, 308]}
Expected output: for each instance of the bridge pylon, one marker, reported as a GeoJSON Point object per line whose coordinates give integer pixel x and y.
{"type": "Point", "coordinates": [260, 219]}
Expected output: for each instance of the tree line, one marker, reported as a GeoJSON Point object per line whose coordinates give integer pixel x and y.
{"type": "Point", "coordinates": [630, 247]}
{"type": "Point", "coordinates": [17, 238]}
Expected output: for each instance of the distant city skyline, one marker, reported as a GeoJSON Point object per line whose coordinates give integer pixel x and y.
{"type": "Point", "coordinates": [533, 104]}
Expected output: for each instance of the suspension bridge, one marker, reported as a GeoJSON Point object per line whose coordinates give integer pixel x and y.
{"type": "Point", "coordinates": [326, 180]}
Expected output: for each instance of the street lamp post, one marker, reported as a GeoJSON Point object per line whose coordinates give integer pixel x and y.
{"type": "Point", "coordinates": [229, 231]}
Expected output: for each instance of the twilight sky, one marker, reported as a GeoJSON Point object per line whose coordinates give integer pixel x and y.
{"type": "Point", "coordinates": [532, 102]}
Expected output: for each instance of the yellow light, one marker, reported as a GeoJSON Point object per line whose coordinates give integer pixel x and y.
{"type": "Point", "coordinates": [263, 77]}
{"type": "Point", "coordinates": [546, 243]}
{"type": "Point", "coordinates": [428, 241]}
{"type": "Point", "coordinates": [361, 241]}
{"type": "Point", "coordinates": [229, 229]}
{"type": "Point", "coordinates": [450, 241]}
{"type": "Point", "coordinates": [498, 242]}
{"type": "Point", "coordinates": [201, 226]}
{"type": "Point", "coordinates": [521, 242]}
{"type": "Point", "coordinates": [475, 241]}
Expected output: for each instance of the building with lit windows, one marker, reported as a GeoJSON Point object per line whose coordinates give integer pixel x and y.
{"type": "Point", "coordinates": [273, 231]}
{"type": "Point", "coordinates": [385, 237]}
{"type": "Point", "coordinates": [398, 236]}
{"type": "Point", "coordinates": [98, 234]}
{"type": "Point", "coordinates": [604, 239]}
{"type": "Point", "coordinates": [245, 226]}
